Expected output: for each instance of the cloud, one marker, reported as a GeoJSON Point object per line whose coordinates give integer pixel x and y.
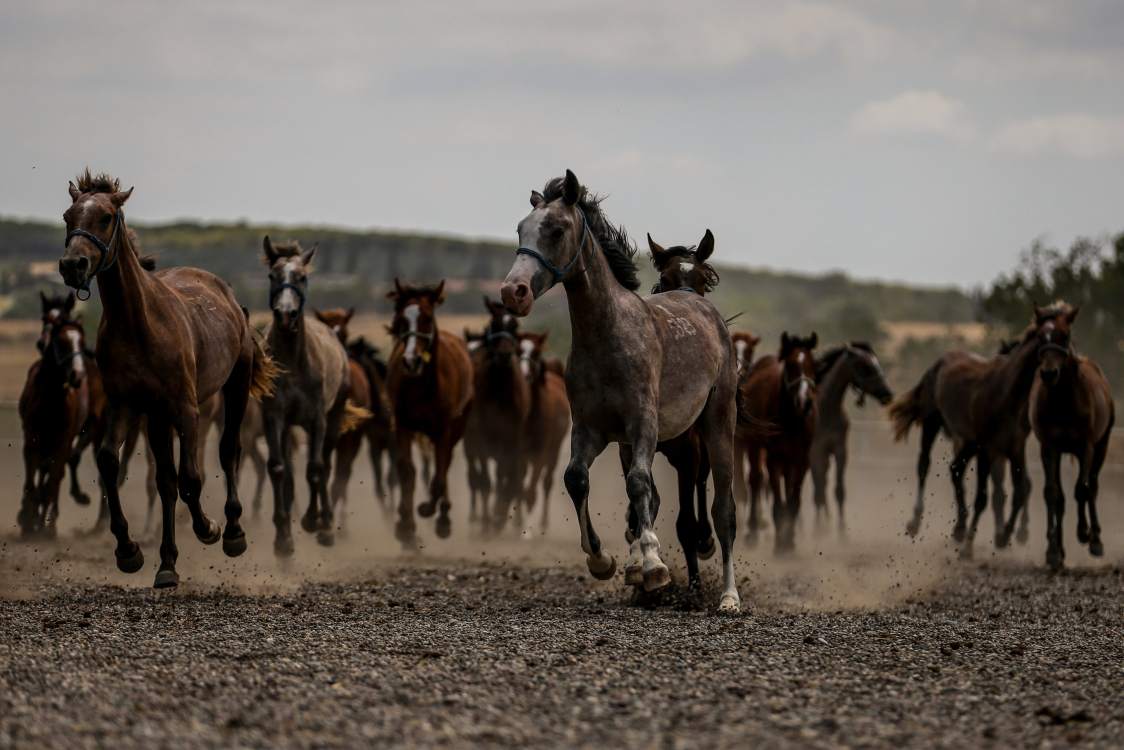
{"type": "Point", "coordinates": [1002, 63]}
{"type": "Point", "coordinates": [1079, 134]}
{"type": "Point", "coordinates": [915, 113]}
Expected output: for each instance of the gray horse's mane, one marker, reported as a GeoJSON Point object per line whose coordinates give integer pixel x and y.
{"type": "Point", "coordinates": [614, 241]}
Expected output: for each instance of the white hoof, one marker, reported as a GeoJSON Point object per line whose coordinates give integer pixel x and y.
{"type": "Point", "coordinates": [730, 605]}
{"type": "Point", "coordinates": [634, 575]}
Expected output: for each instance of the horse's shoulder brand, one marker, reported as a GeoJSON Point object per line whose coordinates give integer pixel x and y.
{"type": "Point", "coordinates": [679, 326]}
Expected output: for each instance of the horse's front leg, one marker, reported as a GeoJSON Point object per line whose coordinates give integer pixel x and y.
{"type": "Point", "coordinates": [819, 465]}
{"type": "Point", "coordinates": [207, 530]}
{"type": "Point", "coordinates": [983, 476]}
{"type": "Point", "coordinates": [783, 532]}
{"type": "Point", "coordinates": [1055, 507]}
{"type": "Point", "coordinates": [624, 452]}
{"type": "Point", "coordinates": [585, 446]}
{"type": "Point", "coordinates": [84, 440]}
{"type": "Point", "coordinates": [956, 472]}
{"type": "Point", "coordinates": [439, 487]}
{"type": "Point", "coordinates": [28, 516]}
{"type": "Point", "coordinates": [236, 396]}
{"type": "Point", "coordinates": [644, 564]}
{"type": "Point", "coordinates": [999, 500]}
{"type": "Point", "coordinates": [1020, 494]}
{"type": "Point", "coordinates": [1096, 548]}
{"type": "Point", "coordinates": [840, 486]}
{"type": "Point", "coordinates": [318, 518]}
{"type": "Point", "coordinates": [274, 426]}
{"type": "Point", "coordinates": [929, 430]}
{"type": "Point", "coordinates": [406, 527]}
{"type": "Point", "coordinates": [160, 441]}
{"type": "Point", "coordinates": [130, 559]}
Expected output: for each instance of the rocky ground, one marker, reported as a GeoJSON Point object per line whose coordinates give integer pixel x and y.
{"type": "Point", "coordinates": [501, 655]}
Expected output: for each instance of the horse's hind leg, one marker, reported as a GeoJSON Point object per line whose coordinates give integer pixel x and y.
{"type": "Point", "coordinates": [929, 429]}
{"type": "Point", "coordinates": [999, 499]}
{"type": "Point", "coordinates": [1020, 493]}
{"type": "Point", "coordinates": [685, 459]}
{"type": "Point", "coordinates": [756, 481]}
{"type": "Point", "coordinates": [704, 542]}
{"type": "Point", "coordinates": [84, 440]}
{"type": "Point", "coordinates": [347, 448]}
{"type": "Point", "coordinates": [130, 559]}
{"type": "Point", "coordinates": [956, 471]}
{"type": "Point", "coordinates": [585, 446]}
{"type": "Point", "coordinates": [160, 440]}
{"type": "Point", "coordinates": [644, 564]}
{"type": "Point", "coordinates": [186, 423]}
{"type": "Point", "coordinates": [319, 518]}
{"type": "Point", "coordinates": [983, 476]}
{"type": "Point", "coordinates": [236, 395]}
{"type": "Point", "coordinates": [820, 462]}
{"type": "Point", "coordinates": [718, 436]}
{"type": "Point", "coordinates": [28, 516]}
{"type": "Point", "coordinates": [1096, 548]}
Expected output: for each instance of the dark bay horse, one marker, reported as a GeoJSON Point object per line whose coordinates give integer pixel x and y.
{"type": "Point", "coordinates": [348, 445]}
{"type": "Point", "coordinates": [686, 269]}
{"type": "Point", "coordinates": [494, 432]}
{"type": "Point", "coordinates": [840, 369]}
{"type": "Point", "coordinates": [640, 370]}
{"type": "Point", "coordinates": [167, 342]}
{"type": "Point", "coordinates": [1071, 411]}
{"type": "Point", "coordinates": [54, 408]}
{"type": "Point", "coordinates": [982, 405]}
{"type": "Point", "coordinates": [745, 344]}
{"type": "Point", "coordinates": [429, 382]}
{"type": "Point", "coordinates": [379, 429]}
{"type": "Point", "coordinates": [311, 392]}
{"type": "Point", "coordinates": [547, 422]}
{"type": "Point", "coordinates": [781, 390]}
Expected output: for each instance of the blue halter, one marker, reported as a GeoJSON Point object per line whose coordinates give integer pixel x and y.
{"type": "Point", "coordinates": [301, 290]}
{"type": "Point", "coordinates": [63, 360]}
{"type": "Point", "coordinates": [102, 266]}
{"type": "Point", "coordinates": [680, 289]}
{"type": "Point", "coordinates": [550, 266]}
{"type": "Point", "coordinates": [1055, 347]}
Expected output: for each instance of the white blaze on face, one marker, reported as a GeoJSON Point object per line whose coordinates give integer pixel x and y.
{"type": "Point", "coordinates": [686, 267]}
{"type": "Point", "coordinates": [411, 315]}
{"type": "Point", "coordinates": [474, 345]}
{"type": "Point", "coordinates": [75, 339]}
{"type": "Point", "coordinates": [288, 299]}
{"type": "Point", "coordinates": [527, 348]}
{"type": "Point", "coordinates": [740, 347]}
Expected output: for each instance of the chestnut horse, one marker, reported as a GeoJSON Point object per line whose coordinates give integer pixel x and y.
{"type": "Point", "coordinates": [55, 406]}
{"type": "Point", "coordinates": [379, 429]}
{"type": "Point", "coordinates": [494, 432]}
{"type": "Point", "coordinates": [781, 390]}
{"type": "Point", "coordinates": [547, 423]}
{"type": "Point", "coordinates": [348, 445]}
{"type": "Point", "coordinates": [311, 392]}
{"type": "Point", "coordinates": [167, 342]}
{"type": "Point", "coordinates": [840, 369]}
{"type": "Point", "coordinates": [640, 370]}
{"type": "Point", "coordinates": [1071, 411]}
{"type": "Point", "coordinates": [686, 269]}
{"type": "Point", "coordinates": [982, 405]}
{"type": "Point", "coordinates": [429, 382]}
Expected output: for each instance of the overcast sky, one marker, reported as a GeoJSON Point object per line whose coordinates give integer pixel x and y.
{"type": "Point", "coordinates": [895, 139]}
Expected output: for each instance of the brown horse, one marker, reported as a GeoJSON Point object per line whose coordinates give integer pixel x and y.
{"type": "Point", "coordinates": [745, 344]}
{"type": "Point", "coordinates": [640, 370]}
{"type": "Point", "coordinates": [547, 423]}
{"type": "Point", "coordinates": [167, 342]}
{"type": "Point", "coordinates": [54, 407]}
{"type": "Point", "coordinates": [310, 392]}
{"type": "Point", "coordinates": [1071, 411]}
{"type": "Point", "coordinates": [348, 445]}
{"type": "Point", "coordinates": [685, 269]}
{"type": "Point", "coordinates": [781, 390]}
{"type": "Point", "coordinates": [982, 405]}
{"type": "Point", "coordinates": [494, 432]}
{"type": "Point", "coordinates": [429, 382]}
{"type": "Point", "coordinates": [379, 429]}
{"type": "Point", "coordinates": [840, 369]}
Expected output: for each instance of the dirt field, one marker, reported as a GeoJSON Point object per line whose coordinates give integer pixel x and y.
{"type": "Point", "coordinates": [872, 640]}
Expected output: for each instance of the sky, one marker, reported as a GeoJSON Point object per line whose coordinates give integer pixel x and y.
{"type": "Point", "coordinates": [927, 142]}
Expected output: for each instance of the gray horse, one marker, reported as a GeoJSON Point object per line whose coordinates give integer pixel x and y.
{"type": "Point", "coordinates": [640, 370]}
{"type": "Point", "coordinates": [311, 392]}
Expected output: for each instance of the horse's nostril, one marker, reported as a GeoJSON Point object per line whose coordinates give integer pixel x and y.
{"type": "Point", "coordinates": [82, 264]}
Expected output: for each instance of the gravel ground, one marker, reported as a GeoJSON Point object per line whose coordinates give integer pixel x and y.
{"type": "Point", "coordinates": [502, 655]}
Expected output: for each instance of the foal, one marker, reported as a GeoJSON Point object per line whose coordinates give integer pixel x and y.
{"type": "Point", "coordinates": [547, 423]}
{"type": "Point", "coordinates": [1071, 411]}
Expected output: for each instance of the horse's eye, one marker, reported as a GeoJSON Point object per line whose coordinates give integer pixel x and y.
{"type": "Point", "coordinates": [105, 219]}
{"type": "Point", "coordinates": [557, 234]}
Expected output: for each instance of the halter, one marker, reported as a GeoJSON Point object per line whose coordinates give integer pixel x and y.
{"type": "Point", "coordinates": [1053, 347]}
{"type": "Point", "coordinates": [489, 337]}
{"type": "Point", "coordinates": [55, 349]}
{"type": "Point", "coordinates": [102, 266]}
{"type": "Point", "coordinates": [789, 384]}
{"type": "Point", "coordinates": [550, 266]}
{"type": "Point", "coordinates": [301, 290]}
{"type": "Point", "coordinates": [679, 289]}
{"type": "Point", "coordinates": [860, 379]}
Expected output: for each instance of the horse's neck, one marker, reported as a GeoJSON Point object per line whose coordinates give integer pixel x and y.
{"type": "Point", "coordinates": [594, 298]}
{"type": "Point", "coordinates": [833, 389]}
{"type": "Point", "coordinates": [289, 346]}
{"type": "Point", "coordinates": [1018, 376]}
{"type": "Point", "coordinates": [126, 291]}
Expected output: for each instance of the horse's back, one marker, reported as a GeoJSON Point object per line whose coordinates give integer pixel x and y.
{"type": "Point", "coordinates": [328, 358]}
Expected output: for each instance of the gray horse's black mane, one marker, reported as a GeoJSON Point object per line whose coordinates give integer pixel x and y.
{"type": "Point", "coordinates": [828, 358]}
{"type": "Point", "coordinates": [614, 241]}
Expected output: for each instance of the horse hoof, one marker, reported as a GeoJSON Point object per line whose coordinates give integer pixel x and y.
{"type": "Point", "coordinates": [706, 548]}
{"type": "Point", "coordinates": [656, 577]}
{"type": "Point", "coordinates": [913, 527]}
{"type": "Point", "coordinates": [1055, 562]}
{"type": "Point", "coordinates": [82, 498]}
{"type": "Point", "coordinates": [1021, 536]}
{"type": "Point", "coordinates": [1083, 535]}
{"type": "Point", "coordinates": [404, 532]}
{"type": "Point", "coordinates": [729, 605]}
{"type": "Point", "coordinates": [166, 579]}
{"type": "Point", "coordinates": [959, 533]}
{"type": "Point", "coordinates": [1096, 549]}
{"type": "Point", "coordinates": [133, 563]}
{"type": "Point", "coordinates": [444, 528]}
{"type": "Point", "coordinates": [1002, 539]}
{"type": "Point", "coordinates": [966, 552]}
{"type": "Point", "coordinates": [311, 524]}
{"type": "Point", "coordinates": [284, 547]}
{"type": "Point", "coordinates": [234, 546]}
{"type": "Point", "coordinates": [325, 538]}
{"type": "Point", "coordinates": [608, 572]}
{"type": "Point", "coordinates": [214, 533]}
{"type": "Point", "coordinates": [634, 575]}
{"type": "Point", "coordinates": [426, 510]}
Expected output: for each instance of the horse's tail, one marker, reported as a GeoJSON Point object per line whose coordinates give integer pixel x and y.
{"type": "Point", "coordinates": [905, 411]}
{"type": "Point", "coordinates": [353, 417]}
{"type": "Point", "coordinates": [264, 373]}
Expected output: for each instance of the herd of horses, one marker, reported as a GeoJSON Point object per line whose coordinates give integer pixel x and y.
{"type": "Point", "coordinates": [175, 353]}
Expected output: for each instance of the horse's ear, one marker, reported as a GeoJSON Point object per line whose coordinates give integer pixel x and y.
{"type": "Point", "coordinates": [397, 293]}
{"type": "Point", "coordinates": [536, 199]}
{"type": "Point", "coordinates": [658, 253]}
{"type": "Point", "coordinates": [437, 296]}
{"type": "Point", "coordinates": [542, 337]}
{"type": "Point", "coordinates": [489, 305]}
{"type": "Point", "coordinates": [813, 340]}
{"type": "Point", "coordinates": [269, 253]}
{"type": "Point", "coordinates": [74, 192]}
{"type": "Point", "coordinates": [319, 315]}
{"type": "Point", "coordinates": [1072, 314]}
{"type": "Point", "coordinates": [308, 255]}
{"type": "Point", "coordinates": [1037, 319]}
{"type": "Point", "coordinates": [120, 197]}
{"type": "Point", "coordinates": [784, 340]}
{"type": "Point", "coordinates": [755, 340]}
{"type": "Point", "coordinates": [69, 304]}
{"type": "Point", "coordinates": [43, 297]}
{"type": "Point", "coordinates": [350, 314]}
{"type": "Point", "coordinates": [571, 189]}
{"type": "Point", "coordinates": [706, 247]}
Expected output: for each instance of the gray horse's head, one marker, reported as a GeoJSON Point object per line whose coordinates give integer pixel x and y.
{"type": "Point", "coordinates": [289, 266]}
